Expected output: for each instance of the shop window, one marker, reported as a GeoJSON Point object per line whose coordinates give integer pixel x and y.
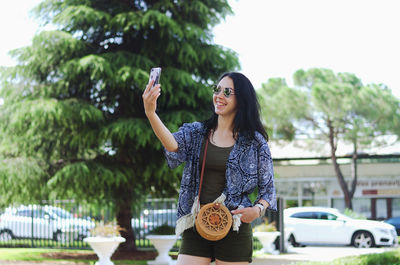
{"type": "Point", "coordinates": [321, 202]}
{"type": "Point", "coordinates": [362, 206]}
{"type": "Point", "coordinates": [286, 189]}
{"type": "Point", "coordinates": [381, 209]}
{"type": "Point", "coordinates": [314, 188]}
{"type": "Point", "coordinates": [339, 204]}
{"type": "Point", "coordinates": [396, 207]}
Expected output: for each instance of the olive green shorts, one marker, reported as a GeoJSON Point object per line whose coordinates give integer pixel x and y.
{"type": "Point", "coordinates": [235, 247]}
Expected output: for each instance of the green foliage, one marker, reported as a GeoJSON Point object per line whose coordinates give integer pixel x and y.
{"type": "Point", "coordinates": [253, 195]}
{"type": "Point", "coordinates": [321, 99]}
{"type": "Point", "coordinates": [386, 258]}
{"type": "Point", "coordinates": [23, 177]}
{"type": "Point", "coordinates": [265, 226]}
{"type": "Point", "coordinates": [46, 256]}
{"type": "Point", "coordinates": [281, 121]}
{"type": "Point", "coordinates": [330, 107]}
{"type": "Point", "coordinates": [72, 124]}
{"type": "Point", "coordinates": [163, 229]}
{"type": "Point", "coordinates": [354, 214]}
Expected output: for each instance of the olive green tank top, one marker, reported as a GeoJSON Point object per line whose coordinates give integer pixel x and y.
{"type": "Point", "coordinates": [214, 172]}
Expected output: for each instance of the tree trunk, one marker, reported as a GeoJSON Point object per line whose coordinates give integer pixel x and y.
{"type": "Point", "coordinates": [354, 170]}
{"type": "Point", "coordinates": [124, 217]}
{"type": "Point", "coordinates": [338, 171]}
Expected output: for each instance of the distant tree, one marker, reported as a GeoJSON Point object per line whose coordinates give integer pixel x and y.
{"type": "Point", "coordinates": [72, 124]}
{"type": "Point", "coordinates": [331, 107]}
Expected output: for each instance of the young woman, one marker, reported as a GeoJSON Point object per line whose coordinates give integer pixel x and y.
{"type": "Point", "coordinates": [238, 160]}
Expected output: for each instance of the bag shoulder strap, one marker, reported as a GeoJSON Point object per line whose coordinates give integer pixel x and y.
{"type": "Point", "coordinates": [202, 167]}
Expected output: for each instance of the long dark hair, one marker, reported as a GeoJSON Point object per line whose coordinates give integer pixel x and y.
{"type": "Point", "coordinates": [247, 120]}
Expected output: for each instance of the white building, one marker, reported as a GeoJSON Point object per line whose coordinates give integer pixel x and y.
{"type": "Point", "coordinates": [305, 178]}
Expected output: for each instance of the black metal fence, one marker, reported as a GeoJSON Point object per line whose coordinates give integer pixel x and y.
{"type": "Point", "coordinates": [61, 224]}
{"type": "Point", "coordinates": [64, 224]}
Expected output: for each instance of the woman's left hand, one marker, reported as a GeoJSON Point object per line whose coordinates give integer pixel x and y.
{"type": "Point", "coordinates": [249, 214]}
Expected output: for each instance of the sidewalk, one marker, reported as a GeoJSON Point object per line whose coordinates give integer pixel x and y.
{"type": "Point", "coordinates": [305, 254]}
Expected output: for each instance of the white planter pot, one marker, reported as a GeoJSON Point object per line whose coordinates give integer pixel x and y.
{"type": "Point", "coordinates": [267, 240]}
{"type": "Point", "coordinates": [104, 247]}
{"type": "Point", "coordinates": [162, 243]}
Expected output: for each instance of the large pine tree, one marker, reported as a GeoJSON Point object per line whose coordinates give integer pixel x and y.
{"type": "Point", "coordinates": [72, 124]}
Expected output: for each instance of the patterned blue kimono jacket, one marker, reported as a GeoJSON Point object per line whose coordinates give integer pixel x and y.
{"type": "Point", "coordinates": [249, 166]}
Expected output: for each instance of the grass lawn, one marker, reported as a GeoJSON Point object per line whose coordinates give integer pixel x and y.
{"type": "Point", "coordinates": [35, 254]}
{"type": "Point", "coordinates": [386, 258]}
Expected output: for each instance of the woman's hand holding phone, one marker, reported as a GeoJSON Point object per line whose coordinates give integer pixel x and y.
{"type": "Point", "coordinates": [150, 96]}
{"type": "Point", "coordinates": [152, 91]}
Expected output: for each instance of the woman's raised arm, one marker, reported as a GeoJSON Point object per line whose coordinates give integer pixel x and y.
{"type": "Point", "coordinates": [150, 96]}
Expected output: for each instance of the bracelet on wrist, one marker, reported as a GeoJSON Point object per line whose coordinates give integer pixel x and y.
{"type": "Point", "coordinates": [261, 207]}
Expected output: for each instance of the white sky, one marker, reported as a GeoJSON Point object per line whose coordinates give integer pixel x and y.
{"type": "Point", "coordinates": [274, 38]}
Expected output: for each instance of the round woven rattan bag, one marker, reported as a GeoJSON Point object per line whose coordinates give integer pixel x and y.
{"type": "Point", "coordinates": [214, 221]}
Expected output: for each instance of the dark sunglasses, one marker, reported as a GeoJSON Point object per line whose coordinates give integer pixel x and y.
{"type": "Point", "coordinates": [226, 90]}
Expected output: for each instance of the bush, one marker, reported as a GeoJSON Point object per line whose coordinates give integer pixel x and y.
{"type": "Point", "coordinates": [265, 226]}
{"type": "Point", "coordinates": [354, 214]}
{"type": "Point", "coordinates": [164, 229]}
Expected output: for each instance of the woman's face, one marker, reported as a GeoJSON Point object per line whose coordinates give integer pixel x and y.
{"type": "Point", "coordinates": [225, 106]}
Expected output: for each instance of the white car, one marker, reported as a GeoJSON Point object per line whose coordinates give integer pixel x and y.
{"type": "Point", "coordinates": [320, 225]}
{"type": "Point", "coordinates": [42, 222]}
{"type": "Point", "coordinates": [151, 219]}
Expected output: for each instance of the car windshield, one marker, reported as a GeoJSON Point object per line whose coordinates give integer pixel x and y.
{"type": "Point", "coordinates": [61, 213]}
{"type": "Point", "coordinates": [321, 215]}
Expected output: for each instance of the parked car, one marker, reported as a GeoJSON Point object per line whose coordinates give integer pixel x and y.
{"type": "Point", "coordinates": [43, 222]}
{"type": "Point", "coordinates": [151, 219]}
{"type": "Point", "coordinates": [395, 221]}
{"type": "Point", "coordinates": [320, 225]}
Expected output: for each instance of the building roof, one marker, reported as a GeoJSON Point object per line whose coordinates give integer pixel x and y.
{"type": "Point", "coordinates": [312, 148]}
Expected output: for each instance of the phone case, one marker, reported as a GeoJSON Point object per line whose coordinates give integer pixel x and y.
{"type": "Point", "coordinates": [155, 75]}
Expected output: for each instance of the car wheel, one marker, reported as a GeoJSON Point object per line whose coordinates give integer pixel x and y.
{"type": "Point", "coordinates": [6, 236]}
{"type": "Point", "coordinates": [363, 239]}
{"type": "Point", "coordinates": [292, 241]}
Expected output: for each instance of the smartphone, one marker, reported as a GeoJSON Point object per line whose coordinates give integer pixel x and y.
{"type": "Point", "coordinates": [155, 75]}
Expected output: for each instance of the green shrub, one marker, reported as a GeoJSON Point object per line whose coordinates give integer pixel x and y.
{"type": "Point", "coordinates": [164, 229]}
{"type": "Point", "coordinates": [354, 214]}
{"type": "Point", "coordinates": [386, 258]}
{"type": "Point", "coordinates": [265, 227]}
